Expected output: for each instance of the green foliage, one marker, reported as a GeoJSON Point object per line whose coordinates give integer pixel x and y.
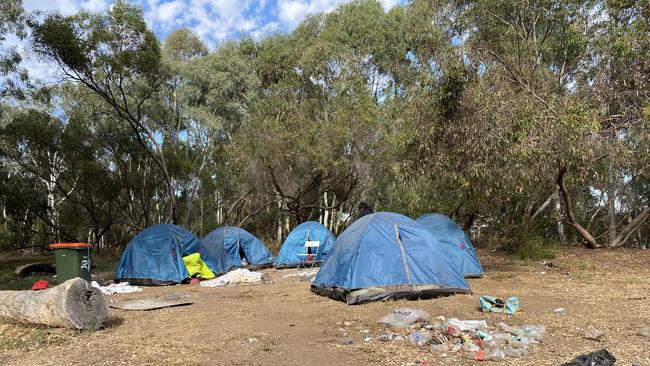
{"type": "Point", "coordinates": [469, 108]}
{"type": "Point", "coordinates": [535, 251]}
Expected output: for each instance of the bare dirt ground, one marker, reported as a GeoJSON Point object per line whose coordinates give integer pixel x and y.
{"type": "Point", "coordinates": [283, 323]}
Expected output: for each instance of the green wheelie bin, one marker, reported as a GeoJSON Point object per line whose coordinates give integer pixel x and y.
{"type": "Point", "coordinates": [72, 260]}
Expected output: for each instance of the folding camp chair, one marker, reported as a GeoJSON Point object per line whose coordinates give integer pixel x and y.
{"type": "Point", "coordinates": [315, 246]}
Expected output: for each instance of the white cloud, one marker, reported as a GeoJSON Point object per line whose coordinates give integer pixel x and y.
{"type": "Point", "coordinates": [292, 12]}
{"type": "Point", "coordinates": [166, 12]}
{"type": "Point", "coordinates": [213, 20]}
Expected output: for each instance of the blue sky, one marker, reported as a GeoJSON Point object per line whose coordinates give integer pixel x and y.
{"type": "Point", "coordinates": [214, 21]}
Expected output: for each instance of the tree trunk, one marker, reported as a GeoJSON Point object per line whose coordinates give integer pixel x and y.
{"type": "Point", "coordinates": [611, 204]}
{"type": "Point", "coordinates": [559, 225]}
{"type": "Point", "coordinates": [73, 304]}
{"type": "Point", "coordinates": [326, 212]}
{"type": "Point", "coordinates": [570, 217]}
{"type": "Point", "coordinates": [627, 231]}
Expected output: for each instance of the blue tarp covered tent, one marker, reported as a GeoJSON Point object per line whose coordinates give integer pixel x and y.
{"type": "Point", "coordinates": [386, 256]}
{"type": "Point", "coordinates": [455, 243]}
{"type": "Point", "coordinates": [224, 248]}
{"type": "Point", "coordinates": [155, 256]}
{"type": "Point", "coordinates": [293, 249]}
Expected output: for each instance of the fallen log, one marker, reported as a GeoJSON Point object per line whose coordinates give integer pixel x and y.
{"type": "Point", "coordinates": [32, 268]}
{"type": "Point", "coordinates": [73, 304]}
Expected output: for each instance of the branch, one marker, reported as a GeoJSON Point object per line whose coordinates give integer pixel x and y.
{"type": "Point", "coordinates": [545, 204]}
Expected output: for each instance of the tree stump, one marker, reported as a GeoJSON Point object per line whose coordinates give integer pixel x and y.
{"type": "Point", "coordinates": [73, 304]}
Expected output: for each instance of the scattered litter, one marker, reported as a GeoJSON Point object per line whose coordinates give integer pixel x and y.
{"type": "Point", "coordinates": [559, 310]}
{"type": "Point", "coordinates": [597, 358]}
{"type": "Point", "coordinates": [388, 337]}
{"type": "Point", "coordinates": [40, 285]}
{"type": "Point", "coordinates": [594, 334]}
{"type": "Point", "coordinates": [116, 288]}
{"type": "Point", "coordinates": [440, 348]}
{"type": "Point", "coordinates": [550, 264]}
{"type": "Point", "coordinates": [346, 341]}
{"type": "Point", "coordinates": [484, 355]}
{"type": "Point", "coordinates": [367, 338]}
{"type": "Point", "coordinates": [464, 325]}
{"type": "Point", "coordinates": [347, 324]}
{"type": "Point", "coordinates": [195, 281]}
{"type": "Point", "coordinates": [527, 333]}
{"type": "Point", "coordinates": [419, 339]}
{"type": "Point", "coordinates": [240, 275]}
{"type": "Point", "coordinates": [251, 340]}
{"type": "Point", "coordinates": [404, 317]}
{"type": "Point", "coordinates": [644, 332]}
{"type": "Point", "coordinates": [498, 305]}
{"type": "Point", "coordinates": [473, 338]}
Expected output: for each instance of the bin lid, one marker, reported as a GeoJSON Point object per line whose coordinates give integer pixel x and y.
{"type": "Point", "coordinates": [70, 245]}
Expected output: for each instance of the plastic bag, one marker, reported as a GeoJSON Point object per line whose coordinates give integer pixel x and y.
{"type": "Point", "coordinates": [597, 358]}
{"type": "Point", "coordinates": [594, 334]}
{"type": "Point", "coordinates": [404, 317]}
{"type": "Point", "coordinates": [499, 305]}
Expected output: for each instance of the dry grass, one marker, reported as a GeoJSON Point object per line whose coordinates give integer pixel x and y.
{"type": "Point", "coordinates": [284, 324]}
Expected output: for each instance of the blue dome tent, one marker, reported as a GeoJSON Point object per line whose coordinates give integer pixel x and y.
{"type": "Point", "coordinates": [293, 252]}
{"type": "Point", "coordinates": [231, 247]}
{"type": "Point", "coordinates": [155, 256]}
{"type": "Point", "coordinates": [455, 243]}
{"type": "Point", "coordinates": [387, 256]}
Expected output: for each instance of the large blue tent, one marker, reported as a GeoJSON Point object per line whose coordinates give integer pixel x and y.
{"type": "Point", "coordinates": [386, 256]}
{"type": "Point", "coordinates": [293, 251]}
{"type": "Point", "coordinates": [455, 243]}
{"type": "Point", "coordinates": [229, 247]}
{"type": "Point", "coordinates": [155, 256]}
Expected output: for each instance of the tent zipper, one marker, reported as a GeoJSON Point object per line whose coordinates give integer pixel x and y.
{"type": "Point", "coordinates": [406, 267]}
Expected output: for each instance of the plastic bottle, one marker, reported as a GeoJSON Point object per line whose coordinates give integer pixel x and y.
{"type": "Point", "coordinates": [440, 348]}
{"type": "Point", "coordinates": [491, 343]}
{"type": "Point", "coordinates": [512, 330]}
{"type": "Point", "coordinates": [453, 330]}
{"type": "Point", "coordinates": [436, 325]}
{"type": "Point", "coordinates": [515, 352]}
{"type": "Point", "coordinates": [419, 339]}
{"type": "Point", "coordinates": [470, 347]}
{"type": "Point", "coordinates": [535, 331]}
{"type": "Point", "coordinates": [483, 355]}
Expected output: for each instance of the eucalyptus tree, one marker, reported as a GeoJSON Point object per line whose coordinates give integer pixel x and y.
{"type": "Point", "coordinates": [118, 58]}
